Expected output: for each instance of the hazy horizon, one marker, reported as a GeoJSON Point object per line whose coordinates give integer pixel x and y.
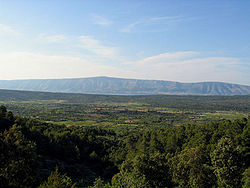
{"type": "Point", "coordinates": [119, 78]}
{"type": "Point", "coordinates": [184, 41]}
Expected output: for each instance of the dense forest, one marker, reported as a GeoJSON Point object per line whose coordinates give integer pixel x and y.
{"type": "Point", "coordinates": [39, 154]}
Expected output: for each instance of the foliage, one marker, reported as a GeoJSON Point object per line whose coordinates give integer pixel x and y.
{"type": "Point", "coordinates": [125, 179]}
{"type": "Point", "coordinates": [190, 169]}
{"type": "Point", "coordinates": [246, 178]}
{"type": "Point", "coordinates": [194, 155]}
{"type": "Point", "coordinates": [18, 159]}
{"type": "Point", "coordinates": [56, 180]}
{"type": "Point", "coordinates": [226, 162]}
{"type": "Point", "coordinates": [99, 183]}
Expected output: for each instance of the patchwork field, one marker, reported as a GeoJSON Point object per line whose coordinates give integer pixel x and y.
{"type": "Point", "coordinates": [130, 111]}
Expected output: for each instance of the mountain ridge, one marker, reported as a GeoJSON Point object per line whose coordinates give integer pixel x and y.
{"type": "Point", "coordinates": [125, 86]}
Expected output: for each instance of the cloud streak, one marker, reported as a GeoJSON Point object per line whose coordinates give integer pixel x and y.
{"type": "Point", "coordinates": [189, 67]}
{"type": "Point", "coordinates": [146, 24]}
{"type": "Point", "coordinates": [87, 45]}
{"type": "Point", "coordinates": [166, 57]}
{"type": "Point", "coordinates": [100, 20]}
{"type": "Point", "coordinates": [7, 30]}
{"type": "Point", "coordinates": [94, 46]}
{"type": "Point", "coordinates": [176, 66]}
{"type": "Point", "coordinates": [27, 65]}
{"type": "Point", "coordinates": [52, 38]}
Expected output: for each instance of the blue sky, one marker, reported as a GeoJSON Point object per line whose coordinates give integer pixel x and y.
{"type": "Point", "coordinates": [187, 41]}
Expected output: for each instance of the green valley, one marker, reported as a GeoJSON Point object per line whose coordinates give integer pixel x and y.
{"type": "Point", "coordinates": [75, 140]}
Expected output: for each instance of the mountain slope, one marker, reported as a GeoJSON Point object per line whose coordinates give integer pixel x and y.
{"type": "Point", "coordinates": [108, 85]}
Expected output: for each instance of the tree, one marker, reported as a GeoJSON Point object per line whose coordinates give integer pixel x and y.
{"type": "Point", "coordinates": [99, 183]}
{"type": "Point", "coordinates": [3, 111]}
{"type": "Point", "coordinates": [6, 119]}
{"type": "Point", "coordinates": [189, 169]}
{"type": "Point", "coordinates": [18, 160]}
{"type": "Point", "coordinates": [246, 178]}
{"type": "Point", "coordinates": [126, 179]}
{"type": "Point", "coordinates": [155, 168]}
{"type": "Point", "coordinates": [226, 160]}
{"type": "Point", "coordinates": [56, 180]}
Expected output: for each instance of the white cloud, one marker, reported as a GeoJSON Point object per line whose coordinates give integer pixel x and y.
{"type": "Point", "coordinates": [165, 57]}
{"type": "Point", "coordinates": [95, 46]}
{"type": "Point", "coordinates": [7, 30]}
{"type": "Point", "coordinates": [167, 18]}
{"type": "Point", "coordinates": [145, 25]}
{"type": "Point", "coordinates": [188, 67]}
{"type": "Point", "coordinates": [52, 38]}
{"type": "Point", "coordinates": [128, 28]}
{"type": "Point", "coordinates": [27, 65]}
{"type": "Point", "coordinates": [90, 45]}
{"type": "Point", "coordinates": [100, 20]}
{"type": "Point", "coordinates": [177, 66]}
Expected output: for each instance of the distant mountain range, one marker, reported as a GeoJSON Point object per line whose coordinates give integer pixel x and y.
{"type": "Point", "coordinates": [120, 86]}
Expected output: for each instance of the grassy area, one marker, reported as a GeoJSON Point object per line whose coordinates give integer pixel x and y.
{"type": "Point", "coordinates": [132, 112]}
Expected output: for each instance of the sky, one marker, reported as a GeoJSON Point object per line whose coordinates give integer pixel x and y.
{"type": "Point", "coordinates": [177, 40]}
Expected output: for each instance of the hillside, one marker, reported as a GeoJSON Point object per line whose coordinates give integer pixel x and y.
{"type": "Point", "coordinates": [41, 154]}
{"type": "Point", "coordinates": [119, 86]}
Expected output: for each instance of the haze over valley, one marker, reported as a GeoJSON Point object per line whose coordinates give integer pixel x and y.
{"type": "Point", "coordinates": [124, 94]}
{"type": "Point", "coordinates": [119, 86]}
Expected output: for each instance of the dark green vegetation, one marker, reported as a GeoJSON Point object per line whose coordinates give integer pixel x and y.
{"type": "Point", "coordinates": [108, 85]}
{"type": "Point", "coordinates": [74, 140]}
{"type": "Point", "coordinates": [36, 154]}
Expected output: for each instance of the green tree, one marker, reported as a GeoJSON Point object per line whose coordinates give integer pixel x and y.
{"type": "Point", "coordinates": [57, 180]}
{"type": "Point", "coordinates": [226, 162]}
{"type": "Point", "coordinates": [126, 179]}
{"type": "Point", "coordinates": [18, 160]}
{"type": "Point", "coordinates": [189, 169]}
{"type": "Point", "coordinates": [3, 111]}
{"type": "Point", "coordinates": [155, 168]}
{"type": "Point", "coordinates": [99, 183]}
{"type": "Point", "coordinates": [246, 178]}
{"type": "Point", "coordinates": [245, 142]}
{"type": "Point", "coordinates": [6, 119]}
